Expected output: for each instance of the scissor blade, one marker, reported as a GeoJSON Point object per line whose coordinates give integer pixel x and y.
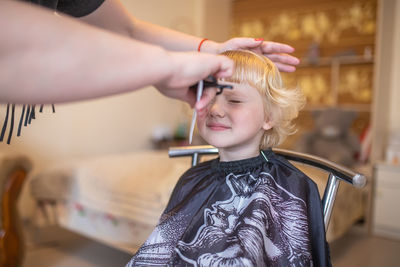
{"type": "Point", "coordinates": [198, 96]}
{"type": "Point", "coordinates": [192, 126]}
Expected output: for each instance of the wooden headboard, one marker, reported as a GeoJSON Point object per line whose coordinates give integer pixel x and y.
{"type": "Point", "coordinates": [13, 171]}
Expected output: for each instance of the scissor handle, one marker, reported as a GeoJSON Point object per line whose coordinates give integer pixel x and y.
{"type": "Point", "coordinates": [211, 81]}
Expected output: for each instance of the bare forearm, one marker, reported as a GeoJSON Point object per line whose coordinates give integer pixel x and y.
{"type": "Point", "coordinates": [45, 58]}
{"type": "Point", "coordinates": [113, 16]}
{"type": "Point", "coordinates": [167, 38]}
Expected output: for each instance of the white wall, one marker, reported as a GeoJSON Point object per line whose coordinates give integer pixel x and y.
{"type": "Point", "coordinates": [182, 15]}
{"type": "Point", "coordinates": [121, 123]}
{"type": "Point", "coordinates": [385, 113]}
{"type": "Point", "coordinates": [394, 119]}
{"type": "Point", "coordinates": [113, 124]}
{"type": "Point", "coordinates": [125, 122]}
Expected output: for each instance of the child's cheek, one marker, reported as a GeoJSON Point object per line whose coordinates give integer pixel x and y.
{"type": "Point", "coordinates": [202, 113]}
{"type": "Point", "coordinates": [201, 119]}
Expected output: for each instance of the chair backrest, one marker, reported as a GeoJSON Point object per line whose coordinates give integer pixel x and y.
{"type": "Point", "coordinates": [336, 172]}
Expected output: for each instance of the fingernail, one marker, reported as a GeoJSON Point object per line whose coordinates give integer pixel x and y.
{"type": "Point", "coordinates": [258, 39]}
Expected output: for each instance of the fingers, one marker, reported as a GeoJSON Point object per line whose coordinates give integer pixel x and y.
{"type": "Point", "coordinates": [240, 43]}
{"type": "Point", "coordinates": [246, 43]}
{"type": "Point", "coordinates": [274, 47]}
{"type": "Point", "coordinates": [189, 68]}
{"type": "Point", "coordinates": [225, 68]}
{"type": "Point", "coordinates": [284, 67]}
{"type": "Point", "coordinates": [266, 47]}
{"type": "Point", "coordinates": [283, 58]}
{"type": "Point", "coordinates": [190, 98]}
{"type": "Point", "coordinates": [206, 98]}
{"type": "Point", "coordinates": [284, 62]}
{"type": "Point", "coordinates": [277, 52]}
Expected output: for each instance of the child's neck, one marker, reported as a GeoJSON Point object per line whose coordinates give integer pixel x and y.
{"type": "Point", "coordinates": [233, 154]}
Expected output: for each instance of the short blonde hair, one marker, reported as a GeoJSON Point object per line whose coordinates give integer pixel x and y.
{"type": "Point", "coordinates": [281, 105]}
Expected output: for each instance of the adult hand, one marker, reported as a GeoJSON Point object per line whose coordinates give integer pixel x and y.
{"type": "Point", "coordinates": [187, 68]}
{"type": "Point", "coordinates": [277, 52]}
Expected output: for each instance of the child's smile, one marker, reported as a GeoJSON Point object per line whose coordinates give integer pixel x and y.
{"type": "Point", "coordinates": [234, 122]}
{"type": "Point", "coordinates": [216, 126]}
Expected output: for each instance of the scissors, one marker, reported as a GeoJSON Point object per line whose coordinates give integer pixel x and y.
{"type": "Point", "coordinates": [211, 81]}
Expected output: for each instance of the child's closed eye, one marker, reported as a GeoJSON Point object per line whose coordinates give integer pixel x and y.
{"type": "Point", "coordinates": [235, 101]}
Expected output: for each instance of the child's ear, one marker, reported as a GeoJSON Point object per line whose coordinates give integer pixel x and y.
{"type": "Point", "coordinates": [267, 125]}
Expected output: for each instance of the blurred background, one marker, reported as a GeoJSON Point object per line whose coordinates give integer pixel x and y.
{"type": "Point", "coordinates": [349, 72]}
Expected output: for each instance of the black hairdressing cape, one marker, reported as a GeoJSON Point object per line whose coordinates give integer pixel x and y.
{"type": "Point", "coordinates": [251, 212]}
{"type": "Point", "coordinates": [75, 8]}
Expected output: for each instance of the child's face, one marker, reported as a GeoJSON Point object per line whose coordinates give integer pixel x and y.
{"type": "Point", "coordinates": [235, 120]}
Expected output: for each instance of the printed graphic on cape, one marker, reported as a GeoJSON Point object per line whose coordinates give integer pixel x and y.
{"type": "Point", "coordinates": [159, 247]}
{"type": "Point", "coordinates": [262, 224]}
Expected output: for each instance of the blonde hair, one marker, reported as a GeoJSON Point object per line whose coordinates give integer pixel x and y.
{"type": "Point", "coordinates": [281, 105]}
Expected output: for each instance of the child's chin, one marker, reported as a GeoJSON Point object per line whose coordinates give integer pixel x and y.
{"type": "Point", "coordinates": [220, 144]}
{"type": "Point", "coordinates": [217, 141]}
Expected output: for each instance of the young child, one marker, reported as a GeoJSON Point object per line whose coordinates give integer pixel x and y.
{"type": "Point", "coordinates": [249, 207]}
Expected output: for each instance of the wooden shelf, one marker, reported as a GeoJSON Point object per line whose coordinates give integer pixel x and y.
{"type": "Point", "coordinates": [350, 107]}
{"type": "Point", "coordinates": [331, 61]}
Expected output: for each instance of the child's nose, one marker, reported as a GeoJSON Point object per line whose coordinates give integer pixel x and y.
{"type": "Point", "coordinates": [217, 108]}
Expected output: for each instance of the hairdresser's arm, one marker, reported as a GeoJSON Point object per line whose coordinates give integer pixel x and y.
{"type": "Point", "coordinates": [46, 59]}
{"type": "Point", "coordinates": [112, 15]}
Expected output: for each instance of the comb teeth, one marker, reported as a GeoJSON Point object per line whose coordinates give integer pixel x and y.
{"type": "Point", "coordinates": [11, 124]}
{"type": "Point", "coordinates": [3, 130]}
{"type": "Point", "coordinates": [28, 111]}
{"type": "Point", "coordinates": [20, 121]}
{"type": "Point", "coordinates": [27, 114]}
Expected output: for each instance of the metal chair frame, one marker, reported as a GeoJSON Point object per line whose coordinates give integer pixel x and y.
{"type": "Point", "coordinates": [337, 173]}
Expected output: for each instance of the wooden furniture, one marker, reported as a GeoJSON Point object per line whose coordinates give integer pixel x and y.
{"type": "Point", "coordinates": [13, 172]}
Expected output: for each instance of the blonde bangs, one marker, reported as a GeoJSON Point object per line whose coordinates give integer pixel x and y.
{"type": "Point", "coordinates": [249, 68]}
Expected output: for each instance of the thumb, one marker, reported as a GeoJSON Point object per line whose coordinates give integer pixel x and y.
{"type": "Point", "coordinates": [225, 67]}
{"type": "Point", "coordinates": [206, 98]}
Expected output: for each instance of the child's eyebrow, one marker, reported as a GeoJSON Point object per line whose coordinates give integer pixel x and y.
{"type": "Point", "coordinates": [233, 93]}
